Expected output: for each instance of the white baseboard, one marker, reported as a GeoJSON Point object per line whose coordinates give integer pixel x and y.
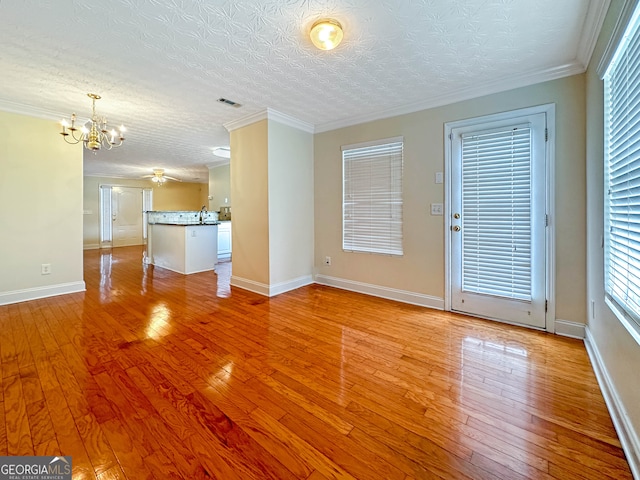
{"type": "Point", "coordinates": [383, 292]}
{"type": "Point", "coordinates": [91, 246]}
{"type": "Point", "coordinates": [567, 328]}
{"type": "Point", "coordinates": [255, 287]}
{"type": "Point", "coordinates": [278, 288]}
{"type": "Point", "coordinates": [271, 290]}
{"type": "Point", "coordinates": [27, 294]}
{"type": "Point", "coordinates": [628, 437]}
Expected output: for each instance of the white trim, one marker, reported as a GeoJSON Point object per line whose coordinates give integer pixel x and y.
{"type": "Point", "coordinates": [270, 290]}
{"type": "Point", "coordinates": [269, 114]}
{"type": "Point", "coordinates": [35, 293]}
{"type": "Point", "coordinates": [626, 433]}
{"type": "Point", "coordinates": [282, 287]}
{"type": "Point", "coordinates": [502, 85]}
{"type": "Point", "coordinates": [631, 325]}
{"type": "Point", "coordinates": [32, 111]}
{"type": "Point", "coordinates": [255, 287]}
{"type": "Point", "coordinates": [620, 27]}
{"type": "Point", "coordinates": [382, 292]}
{"type": "Point", "coordinates": [373, 143]}
{"type": "Point", "coordinates": [596, 13]}
{"type": "Point", "coordinates": [567, 328]}
{"type": "Point", "coordinates": [91, 246]}
{"type": "Point", "coordinates": [290, 121]}
{"type": "Point", "coordinates": [550, 111]}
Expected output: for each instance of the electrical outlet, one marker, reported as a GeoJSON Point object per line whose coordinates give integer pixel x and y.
{"type": "Point", "coordinates": [46, 269]}
{"type": "Point", "coordinates": [436, 209]}
{"type": "Point", "coordinates": [327, 261]}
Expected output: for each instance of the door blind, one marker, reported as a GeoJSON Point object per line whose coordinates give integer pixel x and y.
{"type": "Point", "coordinates": [372, 198]}
{"type": "Point", "coordinates": [622, 173]}
{"type": "Point", "coordinates": [496, 213]}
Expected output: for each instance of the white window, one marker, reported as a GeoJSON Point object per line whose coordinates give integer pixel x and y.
{"type": "Point", "coordinates": [372, 197]}
{"type": "Point", "coordinates": [622, 178]}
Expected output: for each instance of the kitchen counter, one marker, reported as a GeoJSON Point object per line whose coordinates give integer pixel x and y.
{"type": "Point", "coordinates": [183, 247]}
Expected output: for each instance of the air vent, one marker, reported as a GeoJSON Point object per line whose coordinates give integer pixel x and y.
{"type": "Point", "coordinates": [229, 102]}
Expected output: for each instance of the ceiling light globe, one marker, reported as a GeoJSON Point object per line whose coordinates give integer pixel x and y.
{"type": "Point", "coordinates": [326, 34]}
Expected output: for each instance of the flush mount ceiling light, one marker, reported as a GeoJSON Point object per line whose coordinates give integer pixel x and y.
{"type": "Point", "coordinates": [94, 134]}
{"type": "Point", "coordinates": [224, 152]}
{"type": "Point", "coordinates": [326, 34]}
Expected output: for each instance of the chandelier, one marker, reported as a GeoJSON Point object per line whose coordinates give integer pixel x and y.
{"type": "Point", "coordinates": [94, 134]}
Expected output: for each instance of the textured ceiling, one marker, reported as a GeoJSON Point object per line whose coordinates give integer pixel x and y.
{"type": "Point", "coordinates": [161, 65]}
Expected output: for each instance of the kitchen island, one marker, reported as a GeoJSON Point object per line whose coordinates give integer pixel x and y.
{"type": "Point", "coordinates": [178, 243]}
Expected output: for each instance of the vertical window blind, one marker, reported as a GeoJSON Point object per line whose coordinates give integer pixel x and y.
{"type": "Point", "coordinates": [622, 173]}
{"type": "Point", "coordinates": [496, 213]}
{"type": "Point", "coordinates": [372, 198]}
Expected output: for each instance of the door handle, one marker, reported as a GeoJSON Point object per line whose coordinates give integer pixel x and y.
{"type": "Point", "coordinates": [456, 228]}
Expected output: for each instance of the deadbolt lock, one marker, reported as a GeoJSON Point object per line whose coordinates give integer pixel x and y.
{"type": "Point", "coordinates": [456, 228]}
{"type": "Point", "coordinates": [456, 215]}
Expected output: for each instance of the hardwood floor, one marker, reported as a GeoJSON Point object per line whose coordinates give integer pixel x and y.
{"type": "Point", "coordinates": [152, 374]}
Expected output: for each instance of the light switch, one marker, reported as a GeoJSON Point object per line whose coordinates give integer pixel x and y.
{"type": "Point", "coordinates": [439, 178]}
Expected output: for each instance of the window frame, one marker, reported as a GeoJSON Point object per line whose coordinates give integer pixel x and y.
{"type": "Point", "coordinates": [623, 309]}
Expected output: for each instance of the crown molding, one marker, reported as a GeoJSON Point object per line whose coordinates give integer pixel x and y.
{"type": "Point", "coordinates": [270, 114]}
{"type": "Point", "coordinates": [596, 14]}
{"type": "Point", "coordinates": [29, 110]}
{"type": "Point", "coordinates": [503, 85]}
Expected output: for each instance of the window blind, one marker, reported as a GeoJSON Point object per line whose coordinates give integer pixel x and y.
{"type": "Point", "coordinates": [496, 213]}
{"type": "Point", "coordinates": [372, 198]}
{"type": "Point", "coordinates": [622, 173]}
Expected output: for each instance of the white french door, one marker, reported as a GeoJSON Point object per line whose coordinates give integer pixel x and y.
{"type": "Point", "coordinates": [126, 211]}
{"type": "Point", "coordinates": [497, 208]}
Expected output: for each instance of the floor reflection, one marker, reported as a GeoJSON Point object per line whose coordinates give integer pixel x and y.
{"type": "Point", "coordinates": [159, 325]}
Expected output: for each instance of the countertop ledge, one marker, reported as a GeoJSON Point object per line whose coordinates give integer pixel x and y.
{"type": "Point", "coordinates": [186, 224]}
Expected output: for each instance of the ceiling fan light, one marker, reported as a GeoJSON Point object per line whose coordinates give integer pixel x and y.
{"type": "Point", "coordinates": [326, 34]}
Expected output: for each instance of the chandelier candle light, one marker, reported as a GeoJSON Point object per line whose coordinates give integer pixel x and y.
{"type": "Point", "coordinates": [96, 135]}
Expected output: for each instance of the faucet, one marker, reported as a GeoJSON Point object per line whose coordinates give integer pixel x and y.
{"type": "Point", "coordinates": [203, 212]}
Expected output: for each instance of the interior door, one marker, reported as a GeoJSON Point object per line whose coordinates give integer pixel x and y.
{"type": "Point", "coordinates": [126, 211]}
{"type": "Point", "coordinates": [498, 220]}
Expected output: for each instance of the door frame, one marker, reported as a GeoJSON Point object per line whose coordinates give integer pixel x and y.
{"type": "Point", "coordinates": [550, 247]}
{"type": "Point", "coordinates": [147, 196]}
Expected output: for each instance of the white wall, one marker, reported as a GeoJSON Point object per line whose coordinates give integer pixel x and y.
{"type": "Point", "coordinates": [290, 205]}
{"type": "Point", "coordinates": [40, 210]}
{"type": "Point", "coordinates": [615, 354]}
{"type": "Point", "coordinates": [419, 274]}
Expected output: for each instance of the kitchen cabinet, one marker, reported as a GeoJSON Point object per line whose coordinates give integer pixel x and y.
{"type": "Point", "coordinates": [224, 240]}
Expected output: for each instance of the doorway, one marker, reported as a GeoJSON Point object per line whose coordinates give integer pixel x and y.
{"type": "Point", "coordinates": [498, 199]}
{"type": "Point", "coordinates": [123, 215]}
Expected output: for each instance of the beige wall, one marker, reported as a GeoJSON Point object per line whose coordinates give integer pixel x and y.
{"type": "Point", "coordinates": [616, 349]}
{"type": "Point", "coordinates": [421, 269]}
{"type": "Point", "coordinates": [171, 196]}
{"type": "Point", "coordinates": [290, 203]}
{"type": "Point", "coordinates": [219, 187]}
{"type": "Point", "coordinates": [40, 209]}
{"type": "Point", "coordinates": [250, 213]}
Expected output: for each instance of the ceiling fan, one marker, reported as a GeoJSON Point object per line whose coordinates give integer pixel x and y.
{"type": "Point", "coordinates": [159, 177]}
